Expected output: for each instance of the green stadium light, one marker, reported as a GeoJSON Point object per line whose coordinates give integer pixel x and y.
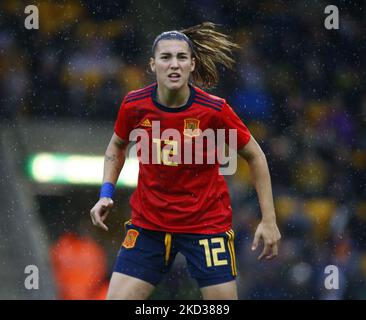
{"type": "Point", "coordinates": [57, 168]}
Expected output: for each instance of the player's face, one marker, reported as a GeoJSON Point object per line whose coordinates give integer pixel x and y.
{"type": "Point", "coordinates": [172, 63]}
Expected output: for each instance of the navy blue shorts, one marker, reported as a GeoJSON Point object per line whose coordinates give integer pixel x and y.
{"type": "Point", "coordinates": [148, 255]}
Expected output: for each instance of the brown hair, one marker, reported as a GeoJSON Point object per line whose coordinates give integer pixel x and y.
{"type": "Point", "coordinates": [210, 48]}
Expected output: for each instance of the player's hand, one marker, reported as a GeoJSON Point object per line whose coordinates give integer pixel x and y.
{"type": "Point", "coordinates": [269, 233]}
{"type": "Point", "coordinates": [100, 212]}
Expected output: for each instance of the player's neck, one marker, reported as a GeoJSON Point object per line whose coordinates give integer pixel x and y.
{"type": "Point", "coordinates": [173, 98]}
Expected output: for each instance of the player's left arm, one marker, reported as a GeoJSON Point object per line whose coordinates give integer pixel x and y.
{"type": "Point", "coordinates": [267, 229]}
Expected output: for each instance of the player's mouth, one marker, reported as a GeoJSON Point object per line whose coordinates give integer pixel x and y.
{"type": "Point", "coordinates": [174, 76]}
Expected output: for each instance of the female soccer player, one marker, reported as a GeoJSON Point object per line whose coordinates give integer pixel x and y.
{"type": "Point", "coordinates": [182, 204]}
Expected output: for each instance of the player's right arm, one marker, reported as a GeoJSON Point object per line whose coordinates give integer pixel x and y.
{"type": "Point", "coordinates": [114, 159]}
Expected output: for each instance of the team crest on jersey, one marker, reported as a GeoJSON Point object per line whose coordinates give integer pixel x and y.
{"type": "Point", "coordinates": [130, 239]}
{"type": "Point", "coordinates": [191, 127]}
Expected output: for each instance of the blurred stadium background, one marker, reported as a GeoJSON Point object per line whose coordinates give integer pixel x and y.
{"type": "Point", "coordinates": [299, 87]}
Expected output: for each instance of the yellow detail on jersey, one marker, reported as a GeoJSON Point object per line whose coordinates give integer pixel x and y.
{"type": "Point", "coordinates": [168, 153]}
{"type": "Point", "coordinates": [191, 127]}
{"type": "Point", "coordinates": [164, 154]}
{"type": "Point", "coordinates": [145, 123]}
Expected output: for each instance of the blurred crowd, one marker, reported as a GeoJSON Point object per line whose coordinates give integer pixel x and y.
{"type": "Point", "coordinates": [299, 87]}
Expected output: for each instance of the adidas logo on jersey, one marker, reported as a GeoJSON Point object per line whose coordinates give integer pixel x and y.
{"type": "Point", "coordinates": [145, 123]}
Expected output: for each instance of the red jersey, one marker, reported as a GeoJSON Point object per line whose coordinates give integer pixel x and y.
{"type": "Point", "coordinates": [173, 195]}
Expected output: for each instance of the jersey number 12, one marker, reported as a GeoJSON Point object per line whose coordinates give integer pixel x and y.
{"type": "Point", "coordinates": [214, 252]}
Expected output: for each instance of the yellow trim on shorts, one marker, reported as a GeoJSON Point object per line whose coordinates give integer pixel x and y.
{"type": "Point", "coordinates": [230, 243]}
{"type": "Point", "coordinates": [168, 244]}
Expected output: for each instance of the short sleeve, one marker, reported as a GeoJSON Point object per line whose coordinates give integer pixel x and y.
{"type": "Point", "coordinates": [230, 120]}
{"type": "Point", "coordinates": [122, 126]}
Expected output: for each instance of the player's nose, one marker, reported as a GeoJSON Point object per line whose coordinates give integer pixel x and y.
{"type": "Point", "coordinates": [174, 64]}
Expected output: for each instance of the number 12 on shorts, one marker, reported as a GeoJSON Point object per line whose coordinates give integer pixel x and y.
{"type": "Point", "coordinates": [214, 251]}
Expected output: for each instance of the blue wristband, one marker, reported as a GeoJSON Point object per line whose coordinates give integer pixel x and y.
{"type": "Point", "coordinates": [107, 190]}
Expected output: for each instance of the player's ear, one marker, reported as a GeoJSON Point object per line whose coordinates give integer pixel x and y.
{"type": "Point", "coordinates": [152, 64]}
{"type": "Point", "coordinates": [193, 64]}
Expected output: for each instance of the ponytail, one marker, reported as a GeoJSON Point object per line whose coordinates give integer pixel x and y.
{"type": "Point", "coordinates": [210, 48]}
